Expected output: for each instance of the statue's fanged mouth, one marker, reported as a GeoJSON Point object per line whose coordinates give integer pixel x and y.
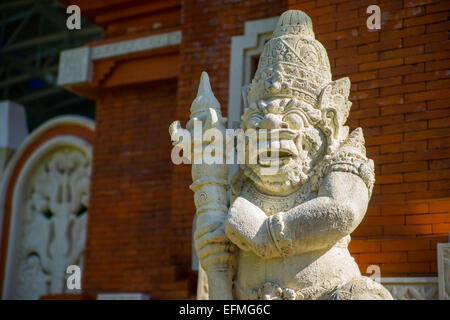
{"type": "Point", "coordinates": [277, 153]}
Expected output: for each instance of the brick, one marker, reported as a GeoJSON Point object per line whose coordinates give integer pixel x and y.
{"type": "Point", "coordinates": [407, 230]}
{"type": "Point", "coordinates": [438, 104]}
{"type": "Point", "coordinates": [403, 108]}
{"type": "Point", "coordinates": [402, 70]}
{"type": "Point", "coordinates": [437, 65]}
{"type": "Point", "coordinates": [438, 7]}
{"type": "Point", "coordinates": [427, 195]}
{"type": "Point", "coordinates": [426, 57]}
{"type": "Point", "coordinates": [380, 64]}
{"type": "Point", "coordinates": [404, 167]}
{"type": "Point", "coordinates": [427, 155]}
{"type": "Point", "coordinates": [441, 228]}
{"type": "Point", "coordinates": [362, 95]}
{"type": "Point", "coordinates": [437, 46]}
{"type": "Point", "coordinates": [436, 27]}
{"type": "Point", "coordinates": [439, 123]}
{"type": "Point", "coordinates": [440, 84]}
{"type": "Point", "coordinates": [427, 175]}
{"type": "Point", "coordinates": [417, 267]}
{"type": "Point", "coordinates": [380, 46]}
{"type": "Point", "coordinates": [351, 23]}
{"type": "Point", "coordinates": [438, 239]}
{"type": "Point", "coordinates": [357, 246]}
{"type": "Point", "coordinates": [401, 209]}
{"type": "Point", "coordinates": [400, 13]}
{"type": "Point", "coordinates": [405, 32]}
{"type": "Point", "coordinates": [382, 101]}
{"type": "Point", "coordinates": [364, 113]}
{"type": "Point", "coordinates": [426, 115]}
{"type": "Point", "coordinates": [363, 76]}
{"type": "Point", "coordinates": [426, 76]}
{"type": "Point", "coordinates": [383, 139]}
{"type": "Point", "coordinates": [345, 6]}
{"type": "Point", "coordinates": [388, 198]}
{"type": "Point", "coordinates": [373, 211]}
{"type": "Point", "coordinates": [426, 134]}
{"type": "Point", "coordinates": [440, 164]}
{"type": "Point", "coordinates": [432, 37]}
{"type": "Point", "coordinates": [358, 59]}
{"type": "Point", "coordinates": [439, 143]}
{"type": "Point", "coordinates": [404, 187]}
{"type": "Point", "coordinates": [426, 19]}
{"type": "Point", "coordinates": [380, 83]}
{"type": "Point", "coordinates": [389, 178]}
{"type": "Point", "coordinates": [415, 3]}
{"type": "Point", "coordinates": [383, 257]}
{"type": "Point", "coordinates": [388, 158]}
{"type": "Point", "coordinates": [405, 127]}
{"type": "Point", "coordinates": [371, 122]}
{"type": "Point", "coordinates": [432, 218]}
{"type": "Point", "coordinates": [408, 244]}
{"type": "Point", "coordinates": [426, 95]}
{"type": "Point", "coordinates": [439, 185]}
{"type": "Point", "coordinates": [422, 255]}
{"type": "Point", "coordinates": [368, 231]}
{"type": "Point", "coordinates": [398, 53]}
{"type": "Point", "coordinates": [383, 220]}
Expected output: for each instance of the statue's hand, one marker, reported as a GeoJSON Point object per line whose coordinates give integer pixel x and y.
{"type": "Point", "coordinates": [212, 246]}
{"type": "Point", "coordinates": [246, 227]}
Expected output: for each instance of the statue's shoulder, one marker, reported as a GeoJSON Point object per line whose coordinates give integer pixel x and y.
{"type": "Point", "coordinates": [351, 157]}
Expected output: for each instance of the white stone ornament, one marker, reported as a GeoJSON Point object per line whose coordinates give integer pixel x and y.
{"type": "Point", "coordinates": [284, 235]}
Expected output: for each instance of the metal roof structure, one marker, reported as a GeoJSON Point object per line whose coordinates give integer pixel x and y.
{"type": "Point", "coordinates": [32, 34]}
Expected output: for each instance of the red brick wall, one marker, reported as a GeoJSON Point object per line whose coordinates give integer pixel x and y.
{"type": "Point", "coordinates": [401, 99]}
{"type": "Point", "coordinates": [130, 200]}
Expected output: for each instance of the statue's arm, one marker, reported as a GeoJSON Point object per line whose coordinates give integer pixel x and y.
{"type": "Point", "coordinates": [319, 223]}
{"type": "Point", "coordinates": [314, 225]}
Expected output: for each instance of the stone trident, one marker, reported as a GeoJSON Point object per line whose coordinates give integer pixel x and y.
{"type": "Point", "coordinates": [209, 186]}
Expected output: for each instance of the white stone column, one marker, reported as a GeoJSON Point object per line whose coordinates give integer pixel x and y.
{"type": "Point", "coordinates": [13, 130]}
{"type": "Point", "coordinates": [443, 252]}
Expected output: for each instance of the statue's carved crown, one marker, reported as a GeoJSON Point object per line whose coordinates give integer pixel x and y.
{"type": "Point", "coordinates": [292, 64]}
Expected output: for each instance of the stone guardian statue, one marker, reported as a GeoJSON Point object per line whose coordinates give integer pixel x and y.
{"type": "Point", "coordinates": [285, 234]}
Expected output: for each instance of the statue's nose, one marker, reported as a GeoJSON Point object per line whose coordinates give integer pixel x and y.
{"type": "Point", "coordinates": [273, 121]}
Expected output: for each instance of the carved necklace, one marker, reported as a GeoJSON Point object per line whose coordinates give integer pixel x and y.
{"type": "Point", "coordinates": [274, 204]}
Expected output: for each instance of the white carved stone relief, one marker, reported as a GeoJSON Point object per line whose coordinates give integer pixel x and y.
{"type": "Point", "coordinates": [412, 288]}
{"type": "Point", "coordinates": [47, 230]}
{"type": "Point", "coordinates": [54, 223]}
{"type": "Point", "coordinates": [444, 270]}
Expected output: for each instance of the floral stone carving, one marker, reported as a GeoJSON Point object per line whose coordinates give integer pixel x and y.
{"type": "Point", "coordinates": [284, 235]}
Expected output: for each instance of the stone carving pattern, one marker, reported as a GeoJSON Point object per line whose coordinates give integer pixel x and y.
{"type": "Point", "coordinates": [413, 291]}
{"type": "Point", "coordinates": [54, 223]}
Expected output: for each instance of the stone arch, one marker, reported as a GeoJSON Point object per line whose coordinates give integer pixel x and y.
{"type": "Point", "coordinates": [43, 208]}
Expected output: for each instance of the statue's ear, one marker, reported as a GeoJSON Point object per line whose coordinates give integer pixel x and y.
{"type": "Point", "coordinates": [245, 95]}
{"type": "Point", "coordinates": [335, 105]}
